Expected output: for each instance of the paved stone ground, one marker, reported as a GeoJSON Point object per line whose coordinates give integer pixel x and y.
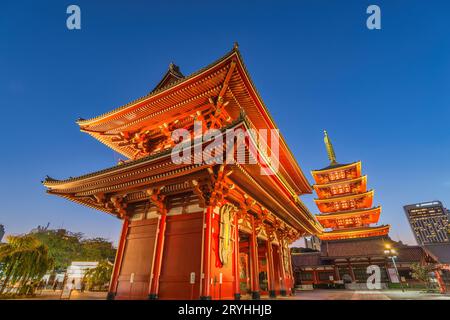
{"type": "Point", "coordinates": [365, 295]}
{"type": "Point", "coordinates": [75, 295]}
{"type": "Point", "coordinates": [300, 295]}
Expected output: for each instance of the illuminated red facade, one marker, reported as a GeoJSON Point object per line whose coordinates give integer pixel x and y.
{"type": "Point", "coordinates": [195, 230]}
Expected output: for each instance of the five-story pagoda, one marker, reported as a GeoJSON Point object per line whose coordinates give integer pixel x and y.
{"type": "Point", "coordinates": [344, 202]}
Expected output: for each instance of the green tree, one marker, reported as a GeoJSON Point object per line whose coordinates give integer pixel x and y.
{"type": "Point", "coordinates": [65, 247]}
{"type": "Point", "coordinates": [97, 249]}
{"type": "Point", "coordinates": [99, 277]}
{"type": "Point", "coordinates": [421, 272]}
{"type": "Point", "coordinates": [24, 261]}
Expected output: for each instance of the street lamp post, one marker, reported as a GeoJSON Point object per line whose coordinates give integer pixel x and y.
{"type": "Point", "coordinates": [392, 254]}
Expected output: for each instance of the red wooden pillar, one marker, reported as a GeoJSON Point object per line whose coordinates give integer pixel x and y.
{"type": "Point", "coordinates": [283, 271]}
{"type": "Point", "coordinates": [118, 261]}
{"type": "Point", "coordinates": [315, 277]}
{"type": "Point", "coordinates": [237, 288]}
{"type": "Point", "coordinates": [442, 287]}
{"type": "Point", "coordinates": [291, 273]}
{"type": "Point", "coordinates": [254, 261]}
{"type": "Point", "coordinates": [350, 269]}
{"type": "Point", "coordinates": [205, 288]}
{"type": "Point", "coordinates": [336, 273]}
{"type": "Point", "coordinates": [156, 272]}
{"type": "Point", "coordinates": [271, 272]}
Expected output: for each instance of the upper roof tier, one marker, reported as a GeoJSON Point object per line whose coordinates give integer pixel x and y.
{"type": "Point", "coordinates": [216, 94]}
{"type": "Point", "coordinates": [172, 75]}
{"type": "Point", "coordinates": [338, 172]}
{"type": "Point", "coordinates": [327, 175]}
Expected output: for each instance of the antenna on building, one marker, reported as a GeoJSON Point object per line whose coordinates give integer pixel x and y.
{"type": "Point", "coordinates": [398, 237]}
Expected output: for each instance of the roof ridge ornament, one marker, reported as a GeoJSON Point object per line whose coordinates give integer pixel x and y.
{"type": "Point", "coordinates": [175, 69]}
{"type": "Point", "coordinates": [330, 149]}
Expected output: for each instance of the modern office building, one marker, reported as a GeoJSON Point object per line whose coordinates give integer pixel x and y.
{"type": "Point", "coordinates": [312, 242]}
{"type": "Point", "coordinates": [429, 222]}
{"type": "Point", "coordinates": [76, 271]}
{"type": "Point", "coordinates": [2, 232]}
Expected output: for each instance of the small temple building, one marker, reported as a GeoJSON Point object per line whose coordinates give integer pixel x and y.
{"type": "Point", "coordinates": [199, 229]}
{"type": "Point", "coordinates": [352, 240]}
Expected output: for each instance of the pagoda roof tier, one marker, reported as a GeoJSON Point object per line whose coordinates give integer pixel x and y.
{"type": "Point", "coordinates": [346, 197]}
{"type": "Point", "coordinates": [132, 180]}
{"type": "Point", "coordinates": [353, 233]}
{"type": "Point", "coordinates": [357, 185]}
{"type": "Point", "coordinates": [362, 217]}
{"type": "Point", "coordinates": [342, 203]}
{"type": "Point", "coordinates": [340, 166]}
{"type": "Point", "coordinates": [342, 172]}
{"type": "Point", "coordinates": [340, 182]}
{"type": "Point", "coordinates": [178, 100]}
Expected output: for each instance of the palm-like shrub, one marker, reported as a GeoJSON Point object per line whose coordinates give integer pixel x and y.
{"type": "Point", "coordinates": [97, 278]}
{"type": "Point", "coordinates": [24, 260]}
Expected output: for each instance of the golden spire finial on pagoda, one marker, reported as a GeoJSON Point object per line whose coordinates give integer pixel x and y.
{"type": "Point", "coordinates": [330, 149]}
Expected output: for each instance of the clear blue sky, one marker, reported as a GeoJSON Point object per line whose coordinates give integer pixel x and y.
{"type": "Point", "coordinates": [382, 95]}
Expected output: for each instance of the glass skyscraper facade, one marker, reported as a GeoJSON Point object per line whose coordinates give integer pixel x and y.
{"type": "Point", "coordinates": [429, 222]}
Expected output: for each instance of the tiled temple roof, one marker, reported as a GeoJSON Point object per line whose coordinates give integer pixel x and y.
{"type": "Point", "coordinates": [440, 251]}
{"type": "Point", "coordinates": [374, 247]}
{"type": "Point", "coordinates": [306, 259]}
{"type": "Point", "coordinates": [411, 254]}
{"type": "Point", "coordinates": [243, 95]}
{"type": "Point", "coordinates": [361, 248]}
{"type": "Point", "coordinates": [173, 74]}
{"type": "Point", "coordinates": [354, 248]}
{"type": "Point", "coordinates": [337, 165]}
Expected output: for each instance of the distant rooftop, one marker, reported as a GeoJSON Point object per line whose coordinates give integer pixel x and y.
{"type": "Point", "coordinates": [423, 204]}
{"type": "Point", "coordinates": [440, 251]}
